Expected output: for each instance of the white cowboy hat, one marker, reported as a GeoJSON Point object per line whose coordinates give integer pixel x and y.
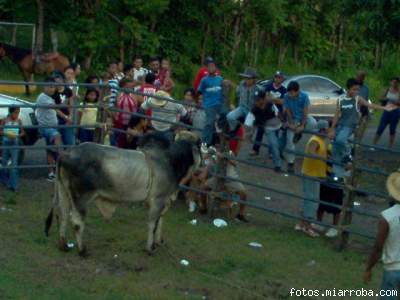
{"type": "Point", "coordinates": [157, 101]}
{"type": "Point", "coordinates": [393, 185]}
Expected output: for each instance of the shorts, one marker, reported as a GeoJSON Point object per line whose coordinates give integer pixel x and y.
{"type": "Point", "coordinates": [232, 186]}
{"type": "Point", "coordinates": [49, 134]}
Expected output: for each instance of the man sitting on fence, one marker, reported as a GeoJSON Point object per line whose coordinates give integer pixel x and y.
{"type": "Point", "coordinates": [295, 104]}
{"type": "Point", "coordinates": [46, 116]}
{"type": "Point", "coordinates": [388, 243]}
{"type": "Point", "coordinates": [345, 121]}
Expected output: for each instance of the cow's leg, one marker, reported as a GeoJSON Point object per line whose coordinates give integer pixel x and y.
{"type": "Point", "coordinates": [156, 207]}
{"type": "Point", "coordinates": [78, 223]}
{"type": "Point", "coordinates": [63, 211]}
{"type": "Point", "coordinates": [158, 236]}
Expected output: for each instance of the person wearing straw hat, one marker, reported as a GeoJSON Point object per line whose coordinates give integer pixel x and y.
{"type": "Point", "coordinates": [388, 244]}
{"type": "Point", "coordinates": [165, 112]}
{"type": "Point", "coordinates": [245, 94]}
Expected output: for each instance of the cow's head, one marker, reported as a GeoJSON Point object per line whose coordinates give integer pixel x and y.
{"type": "Point", "coordinates": [195, 140]}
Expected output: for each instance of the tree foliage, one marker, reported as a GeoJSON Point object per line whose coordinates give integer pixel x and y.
{"type": "Point", "coordinates": [310, 33]}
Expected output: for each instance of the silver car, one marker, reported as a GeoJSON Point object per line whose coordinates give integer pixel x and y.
{"type": "Point", "coordinates": [322, 91]}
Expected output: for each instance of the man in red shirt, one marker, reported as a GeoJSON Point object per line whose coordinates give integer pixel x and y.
{"type": "Point", "coordinates": [202, 73]}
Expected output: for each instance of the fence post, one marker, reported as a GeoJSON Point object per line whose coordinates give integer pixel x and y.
{"type": "Point", "coordinates": [350, 184]}
{"type": "Point", "coordinates": [222, 162]}
{"type": "Point", "coordinates": [100, 131]}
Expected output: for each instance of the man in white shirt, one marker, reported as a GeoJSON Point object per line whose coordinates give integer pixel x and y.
{"type": "Point", "coordinates": [388, 244]}
{"type": "Point", "coordinates": [164, 110]}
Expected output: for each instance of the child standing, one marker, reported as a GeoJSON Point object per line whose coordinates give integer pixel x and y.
{"type": "Point", "coordinates": [88, 116]}
{"type": "Point", "coordinates": [12, 132]}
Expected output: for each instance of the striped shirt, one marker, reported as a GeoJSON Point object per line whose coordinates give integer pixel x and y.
{"type": "Point", "coordinates": [114, 87]}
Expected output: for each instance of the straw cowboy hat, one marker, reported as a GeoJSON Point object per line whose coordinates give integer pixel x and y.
{"type": "Point", "coordinates": [157, 101]}
{"type": "Point", "coordinates": [393, 185]}
{"type": "Point", "coordinates": [249, 73]}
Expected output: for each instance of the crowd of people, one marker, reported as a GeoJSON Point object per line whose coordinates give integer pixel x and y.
{"type": "Point", "coordinates": [139, 100]}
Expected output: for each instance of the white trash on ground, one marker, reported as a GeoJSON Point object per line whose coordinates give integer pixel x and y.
{"type": "Point", "coordinates": [267, 198]}
{"type": "Point", "coordinates": [255, 245]}
{"type": "Point", "coordinates": [184, 262]}
{"type": "Point", "coordinates": [193, 222]}
{"type": "Point", "coordinates": [356, 203]}
{"type": "Point", "coordinates": [220, 223]}
{"type": "Point", "coordinates": [70, 245]}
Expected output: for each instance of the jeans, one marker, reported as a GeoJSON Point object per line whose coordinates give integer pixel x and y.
{"type": "Point", "coordinates": [391, 283]}
{"type": "Point", "coordinates": [234, 115]}
{"type": "Point", "coordinates": [211, 117]}
{"type": "Point", "coordinates": [259, 138]}
{"type": "Point", "coordinates": [68, 136]}
{"type": "Point", "coordinates": [390, 118]}
{"type": "Point", "coordinates": [290, 146]}
{"type": "Point", "coordinates": [86, 135]}
{"type": "Point", "coordinates": [310, 192]}
{"type": "Point", "coordinates": [273, 146]}
{"type": "Point", "coordinates": [341, 148]}
{"type": "Point", "coordinates": [10, 176]}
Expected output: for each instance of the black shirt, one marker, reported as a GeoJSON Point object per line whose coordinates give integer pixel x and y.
{"type": "Point", "coordinates": [59, 98]}
{"type": "Point", "coordinates": [276, 93]}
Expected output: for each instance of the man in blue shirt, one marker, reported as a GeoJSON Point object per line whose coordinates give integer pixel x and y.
{"type": "Point", "coordinates": [295, 104]}
{"type": "Point", "coordinates": [213, 101]}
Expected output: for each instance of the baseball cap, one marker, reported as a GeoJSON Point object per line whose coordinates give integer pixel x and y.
{"type": "Point", "coordinates": [279, 73]}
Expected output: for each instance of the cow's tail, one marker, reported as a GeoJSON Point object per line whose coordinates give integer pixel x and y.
{"type": "Point", "coordinates": [49, 219]}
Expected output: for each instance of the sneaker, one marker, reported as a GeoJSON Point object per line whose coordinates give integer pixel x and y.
{"type": "Point", "coordinates": [242, 218]}
{"type": "Point", "coordinates": [298, 227]}
{"type": "Point", "coordinates": [277, 169]}
{"type": "Point", "coordinates": [253, 153]}
{"type": "Point", "coordinates": [331, 233]}
{"type": "Point", "coordinates": [317, 227]}
{"type": "Point", "coordinates": [290, 168]}
{"type": "Point", "coordinates": [310, 232]}
{"type": "Point", "coordinates": [192, 206]}
{"type": "Point", "coordinates": [297, 137]}
{"type": "Point", "coordinates": [51, 177]}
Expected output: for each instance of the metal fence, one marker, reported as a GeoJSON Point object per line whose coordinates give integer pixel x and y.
{"type": "Point", "coordinates": [349, 186]}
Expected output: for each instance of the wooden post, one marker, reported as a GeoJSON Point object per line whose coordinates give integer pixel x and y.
{"type": "Point", "coordinates": [100, 131]}
{"type": "Point", "coordinates": [350, 184]}
{"type": "Point", "coordinates": [222, 161]}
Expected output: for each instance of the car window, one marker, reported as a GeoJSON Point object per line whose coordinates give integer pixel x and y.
{"type": "Point", "coordinates": [325, 86]}
{"type": "Point", "coordinates": [307, 85]}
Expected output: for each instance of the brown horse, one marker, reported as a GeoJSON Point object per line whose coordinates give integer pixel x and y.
{"type": "Point", "coordinates": [30, 64]}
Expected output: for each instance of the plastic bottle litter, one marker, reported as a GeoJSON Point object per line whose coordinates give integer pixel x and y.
{"type": "Point", "coordinates": [255, 245]}
{"type": "Point", "coordinates": [219, 223]}
{"type": "Point", "coordinates": [193, 222]}
{"type": "Point", "coordinates": [356, 203]}
{"type": "Point", "coordinates": [184, 262]}
{"type": "Point", "coordinates": [70, 245]}
{"type": "Point", "coordinates": [311, 263]}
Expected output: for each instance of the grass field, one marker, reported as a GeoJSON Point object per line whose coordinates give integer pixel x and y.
{"type": "Point", "coordinates": [222, 265]}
